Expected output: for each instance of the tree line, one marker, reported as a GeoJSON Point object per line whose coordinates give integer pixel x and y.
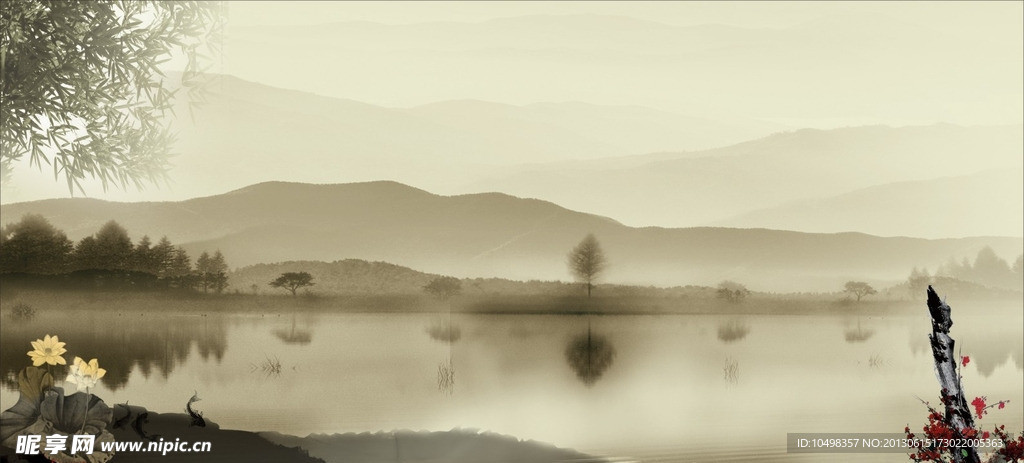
{"type": "Point", "coordinates": [34, 247]}
{"type": "Point", "coordinates": [988, 269]}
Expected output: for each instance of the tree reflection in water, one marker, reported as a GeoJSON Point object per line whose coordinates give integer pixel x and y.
{"type": "Point", "coordinates": [445, 332]}
{"type": "Point", "coordinates": [121, 340]}
{"type": "Point", "coordinates": [589, 355]}
{"type": "Point", "coordinates": [446, 377]}
{"type": "Point", "coordinates": [731, 371]}
{"type": "Point", "coordinates": [293, 335]}
{"type": "Point", "coordinates": [732, 331]}
{"type": "Point", "coordinates": [858, 334]}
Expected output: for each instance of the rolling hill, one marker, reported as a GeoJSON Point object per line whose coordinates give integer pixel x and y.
{"type": "Point", "coordinates": [497, 235]}
{"type": "Point", "coordinates": [349, 276]}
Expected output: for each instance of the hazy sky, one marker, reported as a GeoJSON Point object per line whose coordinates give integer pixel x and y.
{"type": "Point", "coordinates": [997, 19]}
{"type": "Point", "coordinates": [784, 64]}
{"type": "Point", "coordinates": [871, 62]}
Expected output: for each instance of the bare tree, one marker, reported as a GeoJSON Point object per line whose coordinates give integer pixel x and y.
{"type": "Point", "coordinates": [957, 415]}
{"type": "Point", "coordinates": [586, 261]}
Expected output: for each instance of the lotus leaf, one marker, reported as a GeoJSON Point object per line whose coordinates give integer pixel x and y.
{"type": "Point", "coordinates": [75, 412]}
{"type": "Point", "coordinates": [32, 381]}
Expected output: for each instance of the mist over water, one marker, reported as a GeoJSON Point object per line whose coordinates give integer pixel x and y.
{"type": "Point", "coordinates": [606, 385]}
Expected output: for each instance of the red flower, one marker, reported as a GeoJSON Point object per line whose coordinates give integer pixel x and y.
{"type": "Point", "coordinates": [1002, 405]}
{"type": "Point", "coordinates": [979, 406]}
{"type": "Point", "coordinates": [965, 360]}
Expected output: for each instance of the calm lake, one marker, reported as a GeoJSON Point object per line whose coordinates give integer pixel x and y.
{"type": "Point", "coordinates": [634, 387]}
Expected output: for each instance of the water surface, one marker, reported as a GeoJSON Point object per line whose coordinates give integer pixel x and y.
{"type": "Point", "coordinates": [686, 387]}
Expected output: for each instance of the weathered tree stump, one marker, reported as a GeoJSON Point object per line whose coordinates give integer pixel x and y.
{"type": "Point", "coordinates": [958, 415]}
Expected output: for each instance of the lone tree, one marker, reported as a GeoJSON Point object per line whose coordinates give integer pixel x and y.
{"type": "Point", "coordinates": [81, 88]}
{"type": "Point", "coordinates": [586, 261]}
{"type": "Point", "coordinates": [732, 291]}
{"type": "Point", "coordinates": [292, 281]}
{"type": "Point", "coordinates": [444, 287]}
{"type": "Point", "coordinates": [859, 289]}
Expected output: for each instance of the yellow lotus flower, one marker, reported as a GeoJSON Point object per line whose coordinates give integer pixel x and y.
{"type": "Point", "coordinates": [47, 350]}
{"type": "Point", "coordinates": [85, 375]}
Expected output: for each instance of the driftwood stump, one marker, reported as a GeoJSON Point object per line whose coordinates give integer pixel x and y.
{"type": "Point", "coordinates": [958, 415]}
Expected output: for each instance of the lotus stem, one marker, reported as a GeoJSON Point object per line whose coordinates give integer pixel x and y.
{"type": "Point", "coordinates": [85, 416]}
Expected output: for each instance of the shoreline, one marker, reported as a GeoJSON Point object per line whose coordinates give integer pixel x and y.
{"type": "Point", "coordinates": [144, 302]}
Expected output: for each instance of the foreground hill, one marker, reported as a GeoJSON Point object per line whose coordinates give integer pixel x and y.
{"type": "Point", "coordinates": [496, 235]}
{"type": "Point", "coordinates": [349, 276]}
{"type": "Point", "coordinates": [359, 277]}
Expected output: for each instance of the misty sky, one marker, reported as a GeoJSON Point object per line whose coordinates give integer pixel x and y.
{"type": "Point", "coordinates": [994, 19]}
{"type": "Point", "coordinates": [968, 57]}
{"type": "Point", "coordinates": [992, 31]}
{"type": "Point", "coordinates": [769, 65]}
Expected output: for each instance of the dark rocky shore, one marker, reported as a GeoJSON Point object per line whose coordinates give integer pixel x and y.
{"type": "Point", "coordinates": [137, 424]}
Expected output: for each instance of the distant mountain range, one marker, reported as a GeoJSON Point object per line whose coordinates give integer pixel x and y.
{"type": "Point", "coordinates": [250, 126]}
{"type": "Point", "coordinates": [983, 203]}
{"type": "Point", "coordinates": [245, 133]}
{"type": "Point", "coordinates": [496, 235]}
{"type": "Point", "coordinates": [845, 67]}
{"type": "Point", "coordinates": [577, 155]}
{"type": "Point", "coordinates": [585, 157]}
{"type": "Point", "coordinates": [776, 181]}
{"type": "Point", "coordinates": [579, 131]}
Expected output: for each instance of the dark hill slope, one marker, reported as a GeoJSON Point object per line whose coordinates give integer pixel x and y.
{"type": "Point", "coordinates": [497, 235]}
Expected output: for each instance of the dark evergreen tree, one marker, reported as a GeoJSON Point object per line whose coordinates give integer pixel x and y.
{"type": "Point", "coordinates": [143, 257]}
{"type": "Point", "coordinates": [87, 254]}
{"type": "Point", "coordinates": [163, 258]}
{"type": "Point", "coordinates": [218, 272]}
{"type": "Point", "coordinates": [34, 246]}
{"type": "Point", "coordinates": [203, 271]}
{"type": "Point", "coordinates": [180, 271]}
{"type": "Point", "coordinates": [114, 246]}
